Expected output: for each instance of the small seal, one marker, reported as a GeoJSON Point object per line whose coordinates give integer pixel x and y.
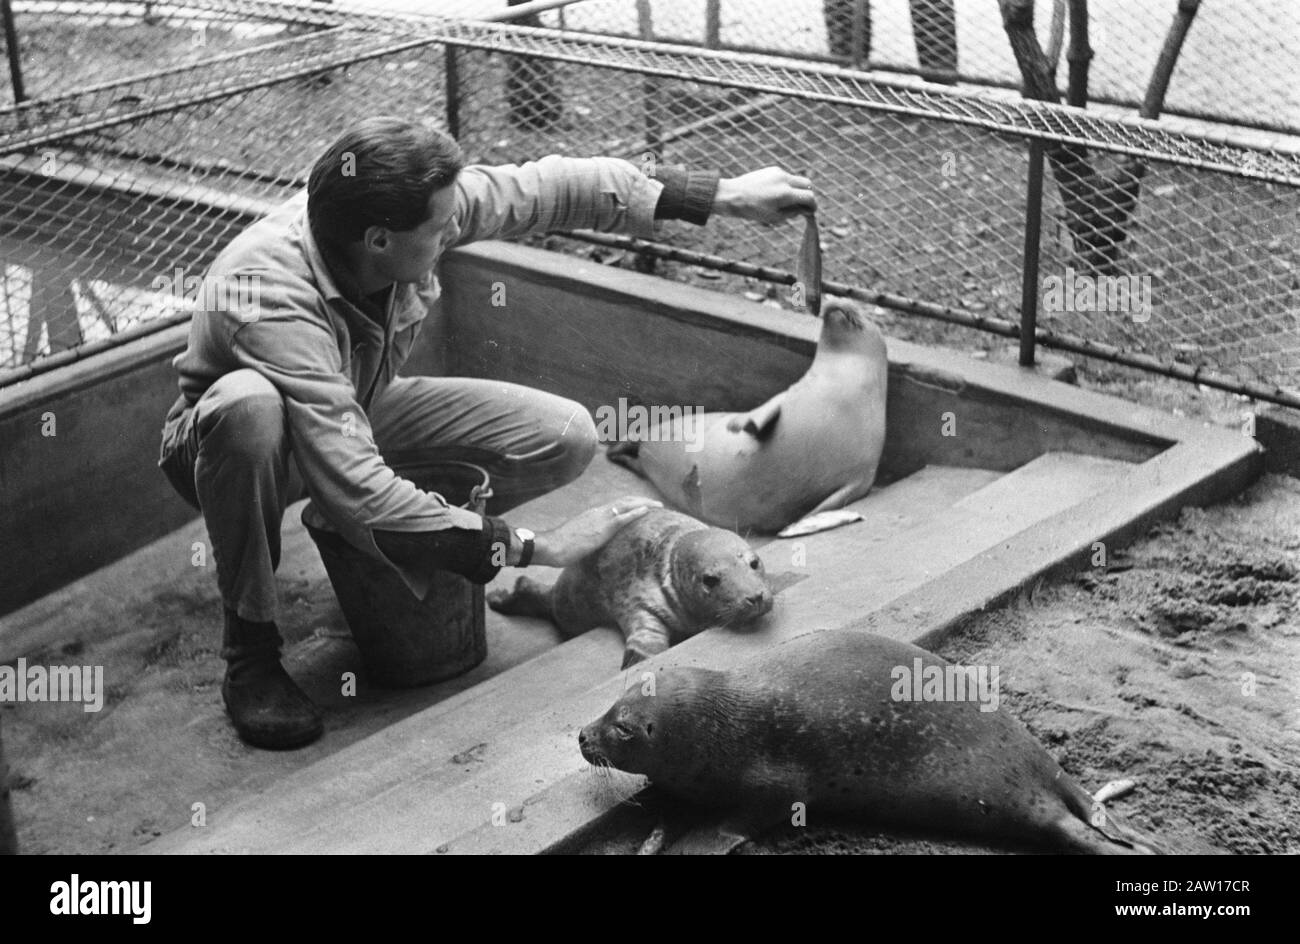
{"type": "Point", "coordinates": [811, 448]}
{"type": "Point", "coordinates": [820, 721]}
{"type": "Point", "coordinates": [661, 579]}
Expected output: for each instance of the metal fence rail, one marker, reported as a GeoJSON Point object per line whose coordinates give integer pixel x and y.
{"type": "Point", "coordinates": [921, 186]}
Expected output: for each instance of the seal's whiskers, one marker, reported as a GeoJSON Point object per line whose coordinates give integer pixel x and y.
{"type": "Point", "coordinates": [621, 787]}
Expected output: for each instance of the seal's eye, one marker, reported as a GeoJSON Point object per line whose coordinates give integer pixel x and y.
{"type": "Point", "coordinates": [650, 729]}
{"type": "Point", "coordinates": [622, 732]}
{"type": "Point", "coordinates": [712, 580]}
{"type": "Point", "coordinates": [756, 564]}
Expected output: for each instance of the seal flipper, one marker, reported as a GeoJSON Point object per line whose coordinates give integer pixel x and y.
{"type": "Point", "coordinates": [692, 496]}
{"type": "Point", "coordinates": [646, 636]}
{"type": "Point", "coordinates": [760, 421]}
{"type": "Point", "coordinates": [528, 598]}
{"type": "Point", "coordinates": [626, 454]}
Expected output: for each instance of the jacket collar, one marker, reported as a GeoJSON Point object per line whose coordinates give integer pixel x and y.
{"type": "Point", "coordinates": [409, 302]}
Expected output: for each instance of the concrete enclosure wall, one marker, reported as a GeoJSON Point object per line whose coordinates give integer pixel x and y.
{"type": "Point", "coordinates": [80, 488]}
{"type": "Point", "coordinates": [79, 482]}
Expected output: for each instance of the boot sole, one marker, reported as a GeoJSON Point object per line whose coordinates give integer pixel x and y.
{"type": "Point", "coordinates": [279, 740]}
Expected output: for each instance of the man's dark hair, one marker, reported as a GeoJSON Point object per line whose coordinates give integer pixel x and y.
{"type": "Point", "coordinates": [380, 172]}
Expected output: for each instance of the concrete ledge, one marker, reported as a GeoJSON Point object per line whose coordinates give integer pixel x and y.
{"type": "Point", "coordinates": [1278, 431]}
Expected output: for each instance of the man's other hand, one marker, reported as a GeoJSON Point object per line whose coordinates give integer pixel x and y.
{"type": "Point", "coordinates": [770, 195]}
{"type": "Point", "coordinates": [589, 531]}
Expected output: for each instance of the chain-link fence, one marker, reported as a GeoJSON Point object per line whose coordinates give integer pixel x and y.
{"type": "Point", "coordinates": [1236, 65]}
{"type": "Point", "coordinates": [1161, 246]}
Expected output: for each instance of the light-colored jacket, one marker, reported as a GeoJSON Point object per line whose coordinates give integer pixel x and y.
{"type": "Point", "coordinates": [330, 362]}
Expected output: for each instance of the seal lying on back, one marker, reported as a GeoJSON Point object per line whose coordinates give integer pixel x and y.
{"type": "Point", "coordinates": [661, 579]}
{"type": "Point", "coordinates": [820, 720]}
{"type": "Point", "coordinates": [811, 448]}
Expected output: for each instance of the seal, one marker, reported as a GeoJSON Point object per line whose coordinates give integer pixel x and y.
{"type": "Point", "coordinates": [811, 448]}
{"type": "Point", "coordinates": [822, 720]}
{"type": "Point", "coordinates": [661, 579]}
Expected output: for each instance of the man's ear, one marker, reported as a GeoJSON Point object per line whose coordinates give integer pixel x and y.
{"type": "Point", "coordinates": [376, 238]}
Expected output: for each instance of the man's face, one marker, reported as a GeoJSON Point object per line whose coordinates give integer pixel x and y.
{"type": "Point", "coordinates": [408, 256]}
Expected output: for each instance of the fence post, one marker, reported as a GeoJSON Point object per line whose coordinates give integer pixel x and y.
{"type": "Point", "coordinates": [858, 34]}
{"type": "Point", "coordinates": [1033, 234]}
{"type": "Point", "coordinates": [11, 47]}
{"type": "Point", "coordinates": [453, 90]}
{"type": "Point", "coordinates": [649, 86]}
{"type": "Point", "coordinates": [712, 23]}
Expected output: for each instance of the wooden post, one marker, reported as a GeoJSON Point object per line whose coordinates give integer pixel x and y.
{"type": "Point", "coordinates": [53, 305]}
{"type": "Point", "coordinates": [712, 23]}
{"type": "Point", "coordinates": [858, 51]}
{"type": "Point", "coordinates": [452, 72]}
{"type": "Point", "coordinates": [649, 87]}
{"type": "Point", "coordinates": [934, 33]}
{"type": "Point", "coordinates": [531, 84]}
{"type": "Point", "coordinates": [11, 46]}
{"type": "Point", "coordinates": [1033, 236]}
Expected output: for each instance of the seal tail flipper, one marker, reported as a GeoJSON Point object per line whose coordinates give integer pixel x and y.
{"type": "Point", "coordinates": [626, 454]}
{"type": "Point", "coordinates": [1116, 830]}
{"type": "Point", "coordinates": [1090, 827]}
{"type": "Point", "coordinates": [528, 598]}
{"type": "Point", "coordinates": [1106, 834]}
{"type": "Point", "coordinates": [760, 421]}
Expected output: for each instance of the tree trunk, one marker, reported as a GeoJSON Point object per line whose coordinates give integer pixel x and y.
{"type": "Point", "coordinates": [1098, 207]}
{"type": "Point", "coordinates": [531, 88]}
{"type": "Point", "coordinates": [934, 30]}
{"type": "Point", "coordinates": [1095, 206]}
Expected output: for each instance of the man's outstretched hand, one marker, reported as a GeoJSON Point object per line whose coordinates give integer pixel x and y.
{"type": "Point", "coordinates": [770, 195]}
{"type": "Point", "coordinates": [589, 531]}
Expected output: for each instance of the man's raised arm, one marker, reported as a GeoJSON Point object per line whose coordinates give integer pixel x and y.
{"type": "Point", "coordinates": [613, 195]}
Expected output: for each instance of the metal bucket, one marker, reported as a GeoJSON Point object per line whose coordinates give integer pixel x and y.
{"type": "Point", "coordinates": [405, 641]}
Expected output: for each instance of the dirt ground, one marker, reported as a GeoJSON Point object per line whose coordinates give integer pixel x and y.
{"type": "Point", "coordinates": [1177, 666]}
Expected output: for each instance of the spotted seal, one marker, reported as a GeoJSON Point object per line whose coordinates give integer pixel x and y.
{"type": "Point", "coordinates": [660, 579]}
{"type": "Point", "coordinates": [821, 721]}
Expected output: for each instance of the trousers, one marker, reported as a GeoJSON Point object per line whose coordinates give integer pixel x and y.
{"type": "Point", "coordinates": [229, 456]}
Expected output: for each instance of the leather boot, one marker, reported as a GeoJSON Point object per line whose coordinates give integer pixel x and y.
{"type": "Point", "coordinates": [267, 708]}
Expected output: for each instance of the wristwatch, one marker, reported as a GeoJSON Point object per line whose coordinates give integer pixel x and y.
{"type": "Point", "coordinates": [527, 538]}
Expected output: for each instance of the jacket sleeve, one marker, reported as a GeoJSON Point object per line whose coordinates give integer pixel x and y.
{"type": "Point", "coordinates": [602, 193]}
{"type": "Point", "coordinates": [334, 446]}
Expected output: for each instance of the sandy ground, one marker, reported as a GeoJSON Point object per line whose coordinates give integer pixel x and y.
{"type": "Point", "coordinates": [1178, 666]}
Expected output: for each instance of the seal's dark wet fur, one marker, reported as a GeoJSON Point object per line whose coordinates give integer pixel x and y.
{"type": "Point", "coordinates": [813, 721]}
